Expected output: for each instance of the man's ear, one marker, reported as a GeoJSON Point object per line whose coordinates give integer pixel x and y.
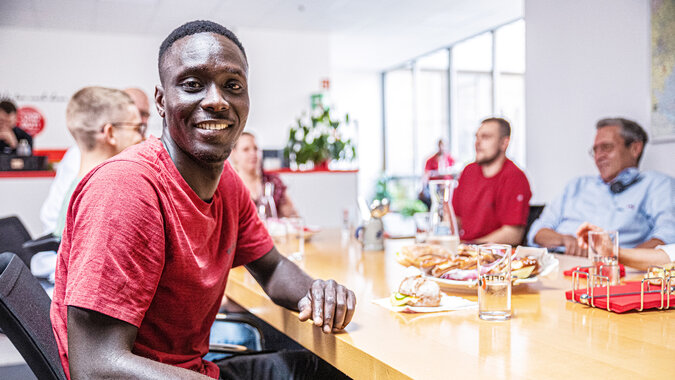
{"type": "Point", "coordinates": [109, 134]}
{"type": "Point", "coordinates": [505, 143]}
{"type": "Point", "coordinates": [635, 148]}
{"type": "Point", "coordinates": [159, 100]}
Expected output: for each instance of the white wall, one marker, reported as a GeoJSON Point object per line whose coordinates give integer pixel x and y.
{"type": "Point", "coordinates": [585, 60]}
{"type": "Point", "coordinates": [285, 67]}
{"type": "Point", "coordinates": [36, 62]}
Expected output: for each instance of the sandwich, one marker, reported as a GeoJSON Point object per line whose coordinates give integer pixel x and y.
{"type": "Point", "coordinates": [422, 255]}
{"type": "Point", "coordinates": [524, 267]}
{"type": "Point", "coordinates": [417, 291]}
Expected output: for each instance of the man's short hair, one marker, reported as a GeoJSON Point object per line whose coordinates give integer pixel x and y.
{"type": "Point", "coordinates": [504, 126]}
{"type": "Point", "coordinates": [630, 131]}
{"type": "Point", "coordinates": [8, 106]}
{"type": "Point", "coordinates": [195, 27]}
{"type": "Point", "coordinates": [91, 108]}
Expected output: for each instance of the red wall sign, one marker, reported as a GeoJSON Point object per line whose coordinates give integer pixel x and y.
{"type": "Point", "coordinates": [30, 120]}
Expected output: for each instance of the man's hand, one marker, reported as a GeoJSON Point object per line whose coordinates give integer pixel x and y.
{"type": "Point", "coordinates": [9, 138]}
{"type": "Point", "coordinates": [571, 246]}
{"type": "Point", "coordinates": [582, 233]}
{"type": "Point", "coordinates": [329, 304]}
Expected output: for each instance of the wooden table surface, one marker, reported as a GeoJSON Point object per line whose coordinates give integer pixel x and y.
{"type": "Point", "coordinates": [548, 337]}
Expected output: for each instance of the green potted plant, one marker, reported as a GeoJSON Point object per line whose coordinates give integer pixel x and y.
{"type": "Point", "coordinates": [319, 138]}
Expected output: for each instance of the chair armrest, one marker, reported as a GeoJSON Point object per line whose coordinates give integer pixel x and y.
{"type": "Point", "coordinates": [224, 348]}
{"type": "Point", "coordinates": [44, 243]}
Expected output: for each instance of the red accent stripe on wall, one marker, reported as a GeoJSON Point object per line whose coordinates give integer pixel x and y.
{"type": "Point", "coordinates": [53, 155]}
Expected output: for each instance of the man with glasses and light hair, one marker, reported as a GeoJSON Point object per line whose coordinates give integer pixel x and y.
{"type": "Point", "coordinates": [69, 166]}
{"type": "Point", "coordinates": [640, 205]}
{"type": "Point", "coordinates": [104, 122]}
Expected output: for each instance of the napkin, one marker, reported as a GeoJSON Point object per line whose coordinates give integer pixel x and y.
{"type": "Point", "coordinates": [448, 303]}
{"type": "Point", "coordinates": [623, 303]}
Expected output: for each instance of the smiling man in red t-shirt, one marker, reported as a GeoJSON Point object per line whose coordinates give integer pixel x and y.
{"type": "Point", "coordinates": [492, 199]}
{"type": "Point", "coordinates": [151, 236]}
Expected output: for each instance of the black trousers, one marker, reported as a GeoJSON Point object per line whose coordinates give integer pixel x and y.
{"type": "Point", "coordinates": [293, 364]}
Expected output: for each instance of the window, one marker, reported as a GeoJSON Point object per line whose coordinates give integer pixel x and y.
{"type": "Point", "coordinates": [447, 93]}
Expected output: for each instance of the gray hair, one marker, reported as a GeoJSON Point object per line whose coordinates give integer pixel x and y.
{"type": "Point", "coordinates": [90, 109]}
{"type": "Point", "coordinates": [630, 131]}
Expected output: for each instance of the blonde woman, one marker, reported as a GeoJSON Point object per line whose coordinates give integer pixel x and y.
{"type": "Point", "coordinates": [246, 160]}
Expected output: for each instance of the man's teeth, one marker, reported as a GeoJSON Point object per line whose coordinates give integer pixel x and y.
{"type": "Point", "coordinates": [213, 126]}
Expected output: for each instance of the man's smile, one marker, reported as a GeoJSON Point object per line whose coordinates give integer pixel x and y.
{"type": "Point", "coordinates": [213, 125]}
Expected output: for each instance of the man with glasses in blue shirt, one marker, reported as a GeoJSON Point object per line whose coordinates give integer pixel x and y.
{"type": "Point", "coordinates": [640, 205]}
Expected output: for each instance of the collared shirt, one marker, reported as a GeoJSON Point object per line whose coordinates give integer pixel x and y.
{"type": "Point", "coordinates": [644, 210]}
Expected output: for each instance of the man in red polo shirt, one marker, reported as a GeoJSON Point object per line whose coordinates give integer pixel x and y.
{"type": "Point", "coordinates": [492, 199]}
{"type": "Point", "coordinates": [151, 235]}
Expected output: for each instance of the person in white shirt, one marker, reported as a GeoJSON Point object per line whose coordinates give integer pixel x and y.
{"type": "Point", "coordinates": [67, 169]}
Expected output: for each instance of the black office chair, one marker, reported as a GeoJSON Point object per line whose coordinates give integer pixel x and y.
{"type": "Point", "coordinates": [24, 318]}
{"type": "Point", "coordinates": [12, 236]}
{"type": "Point", "coordinates": [535, 212]}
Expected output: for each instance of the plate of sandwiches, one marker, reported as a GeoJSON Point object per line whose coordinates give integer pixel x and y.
{"type": "Point", "coordinates": [458, 271]}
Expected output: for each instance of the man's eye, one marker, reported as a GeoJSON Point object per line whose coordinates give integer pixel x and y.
{"type": "Point", "coordinates": [234, 86]}
{"type": "Point", "coordinates": [191, 85]}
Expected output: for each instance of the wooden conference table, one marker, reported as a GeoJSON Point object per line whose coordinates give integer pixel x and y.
{"type": "Point", "coordinates": [548, 337]}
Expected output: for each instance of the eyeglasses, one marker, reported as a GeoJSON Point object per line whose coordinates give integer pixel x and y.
{"type": "Point", "coordinates": [600, 148]}
{"type": "Point", "coordinates": [141, 128]}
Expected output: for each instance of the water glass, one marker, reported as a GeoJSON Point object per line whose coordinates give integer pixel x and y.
{"type": "Point", "coordinates": [295, 238]}
{"type": "Point", "coordinates": [603, 251]}
{"type": "Point", "coordinates": [494, 282]}
{"type": "Point", "coordinates": [421, 226]}
{"type": "Point", "coordinates": [278, 232]}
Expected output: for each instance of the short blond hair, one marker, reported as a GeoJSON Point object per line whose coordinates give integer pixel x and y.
{"type": "Point", "coordinates": [90, 109]}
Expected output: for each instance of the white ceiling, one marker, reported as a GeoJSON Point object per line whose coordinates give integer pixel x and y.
{"type": "Point", "coordinates": [426, 24]}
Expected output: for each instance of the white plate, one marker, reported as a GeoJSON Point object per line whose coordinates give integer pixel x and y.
{"type": "Point", "coordinates": [548, 262]}
{"type": "Point", "coordinates": [448, 303]}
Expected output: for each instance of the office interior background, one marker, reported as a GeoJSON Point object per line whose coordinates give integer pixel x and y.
{"type": "Point", "coordinates": [407, 72]}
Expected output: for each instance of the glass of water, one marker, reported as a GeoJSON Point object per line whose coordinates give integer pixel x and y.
{"type": "Point", "coordinates": [295, 238]}
{"type": "Point", "coordinates": [494, 282]}
{"type": "Point", "coordinates": [603, 251]}
{"type": "Point", "coordinates": [421, 226]}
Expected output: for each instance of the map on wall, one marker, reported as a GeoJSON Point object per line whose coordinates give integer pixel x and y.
{"type": "Point", "coordinates": [663, 70]}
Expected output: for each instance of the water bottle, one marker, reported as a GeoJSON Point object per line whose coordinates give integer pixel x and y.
{"type": "Point", "coordinates": [266, 207]}
{"type": "Point", "coordinates": [23, 149]}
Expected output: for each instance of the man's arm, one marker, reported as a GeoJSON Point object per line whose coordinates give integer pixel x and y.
{"type": "Point", "coordinates": [642, 258]}
{"type": "Point", "coordinates": [100, 346]}
{"type": "Point", "coordinates": [549, 238]}
{"type": "Point", "coordinates": [512, 235]}
{"type": "Point", "coordinates": [328, 303]}
{"type": "Point", "coordinates": [651, 243]}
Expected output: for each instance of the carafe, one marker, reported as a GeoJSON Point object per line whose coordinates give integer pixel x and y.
{"type": "Point", "coordinates": [443, 229]}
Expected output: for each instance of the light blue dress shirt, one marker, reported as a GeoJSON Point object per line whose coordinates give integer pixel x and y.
{"type": "Point", "coordinates": [643, 211]}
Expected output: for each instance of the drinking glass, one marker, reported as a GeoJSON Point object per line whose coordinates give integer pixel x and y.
{"type": "Point", "coordinates": [494, 282]}
{"type": "Point", "coordinates": [443, 223]}
{"type": "Point", "coordinates": [421, 226]}
{"type": "Point", "coordinates": [295, 238]}
{"type": "Point", "coordinates": [603, 251]}
{"type": "Point", "coordinates": [278, 232]}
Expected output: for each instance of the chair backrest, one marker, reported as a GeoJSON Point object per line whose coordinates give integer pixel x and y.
{"type": "Point", "coordinates": [535, 212]}
{"type": "Point", "coordinates": [12, 236]}
{"type": "Point", "coordinates": [24, 318]}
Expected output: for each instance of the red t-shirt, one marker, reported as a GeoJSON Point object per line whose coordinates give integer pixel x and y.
{"type": "Point", "coordinates": [141, 246]}
{"type": "Point", "coordinates": [486, 204]}
{"type": "Point", "coordinates": [432, 162]}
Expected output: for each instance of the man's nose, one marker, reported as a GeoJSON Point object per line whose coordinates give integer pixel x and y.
{"type": "Point", "coordinates": [214, 100]}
